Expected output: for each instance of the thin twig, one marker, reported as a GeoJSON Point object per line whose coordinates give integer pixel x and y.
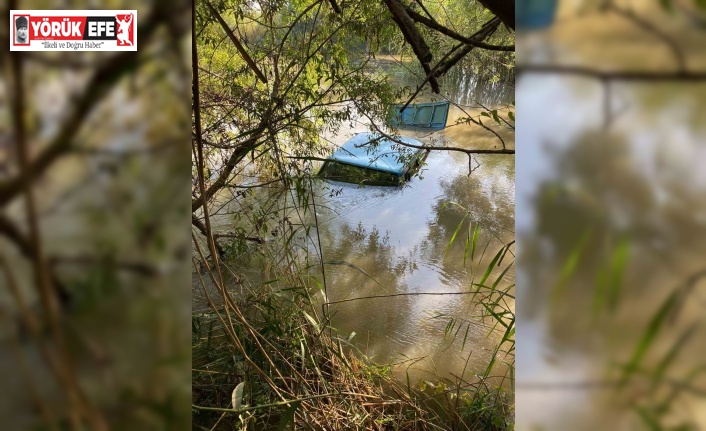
{"type": "Point", "coordinates": [669, 41]}
{"type": "Point", "coordinates": [47, 291]}
{"type": "Point", "coordinates": [284, 403]}
{"type": "Point", "coordinates": [613, 75]}
{"type": "Point", "coordinates": [236, 42]}
{"type": "Point", "coordinates": [395, 295]}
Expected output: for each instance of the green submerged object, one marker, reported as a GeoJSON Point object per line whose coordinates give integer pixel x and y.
{"type": "Point", "coordinates": [431, 115]}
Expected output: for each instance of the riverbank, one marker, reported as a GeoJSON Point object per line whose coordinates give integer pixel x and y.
{"type": "Point", "coordinates": [269, 359]}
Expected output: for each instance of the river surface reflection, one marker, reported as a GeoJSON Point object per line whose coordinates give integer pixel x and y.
{"type": "Point", "coordinates": [399, 237]}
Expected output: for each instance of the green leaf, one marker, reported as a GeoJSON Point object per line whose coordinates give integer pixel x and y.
{"type": "Point", "coordinates": [474, 240]}
{"type": "Point", "coordinates": [570, 266]}
{"type": "Point", "coordinates": [610, 279]}
{"type": "Point", "coordinates": [500, 277]}
{"type": "Point", "coordinates": [491, 266]}
{"type": "Point", "coordinates": [620, 258]}
{"type": "Point", "coordinates": [453, 237]}
{"type": "Point", "coordinates": [497, 316]}
{"type": "Point", "coordinates": [288, 416]}
{"type": "Point", "coordinates": [466, 248]}
{"type": "Point", "coordinates": [510, 333]}
{"type": "Point", "coordinates": [666, 5]}
{"type": "Point", "coordinates": [311, 320]}
{"type": "Point", "coordinates": [465, 337]}
{"type": "Point", "coordinates": [648, 419]}
{"type": "Point", "coordinates": [449, 327]}
{"type": "Point", "coordinates": [671, 355]}
{"type": "Point", "coordinates": [494, 113]}
{"type": "Point", "coordinates": [492, 362]}
{"type": "Point", "coordinates": [648, 337]}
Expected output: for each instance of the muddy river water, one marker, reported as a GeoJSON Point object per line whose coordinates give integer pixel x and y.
{"type": "Point", "coordinates": [393, 240]}
{"type": "Point", "coordinates": [399, 238]}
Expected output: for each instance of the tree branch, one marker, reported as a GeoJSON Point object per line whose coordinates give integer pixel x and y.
{"type": "Point", "coordinates": [618, 75]}
{"type": "Point", "coordinates": [430, 75]}
{"type": "Point", "coordinates": [646, 25]}
{"type": "Point", "coordinates": [475, 40]}
{"type": "Point", "coordinates": [198, 224]}
{"type": "Point", "coordinates": [236, 156]}
{"type": "Point", "coordinates": [443, 66]}
{"type": "Point", "coordinates": [413, 37]}
{"type": "Point", "coordinates": [395, 295]}
{"type": "Point", "coordinates": [458, 149]}
{"type": "Point", "coordinates": [485, 31]}
{"type": "Point", "coordinates": [503, 9]}
{"type": "Point", "coordinates": [335, 7]}
{"type": "Point", "coordinates": [236, 42]}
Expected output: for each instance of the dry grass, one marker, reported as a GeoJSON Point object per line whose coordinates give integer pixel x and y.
{"type": "Point", "coordinates": [302, 359]}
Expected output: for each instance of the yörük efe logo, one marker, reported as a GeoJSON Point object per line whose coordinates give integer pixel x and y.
{"type": "Point", "coordinates": [64, 30]}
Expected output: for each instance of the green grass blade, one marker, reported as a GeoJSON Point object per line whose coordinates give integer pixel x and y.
{"type": "Point", "coordinates": [288, 416]}
{"type": "Point", "coordinates": [671, 356]}
{"type": "Point", "coordinates": [498, 316]}
{"type": "Point", "coordinates": [500, 277]}
{"type": "Point", "coordinates": [648, 419]}
{"type": "Point", "coordinates": [491, 266]}
{"type": "Point", "coordinates": [467, 248]}
{"type": "Point", "coordinates": [453, 237]}
{"type": "Point", "coordinates": [474, 241]}
{"type": "Point", "coordinates": [570, 266]}
{"type": "Point", "coordinates": [465, 337]}
{"type": "Point", "coordinates": [648, 338]}
{"type": "Point", "coordinates": [311, 320]}
{"type": "Point", "coordinates": [615, 279]}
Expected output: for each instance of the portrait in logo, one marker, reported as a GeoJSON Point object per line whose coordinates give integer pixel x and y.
{"type": "Point", "coordinates": [126, 34]}
{"type": "Point", "coordinates": [21, 30]}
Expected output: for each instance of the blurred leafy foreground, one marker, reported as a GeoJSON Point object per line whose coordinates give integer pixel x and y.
{"type": "Point", "coordinates": [611, 218]}
{"type": "Point", "coordinates": [94, 297]}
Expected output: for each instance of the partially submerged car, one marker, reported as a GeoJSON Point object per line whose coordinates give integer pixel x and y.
{"type": "Point", "coordinates": [370, 159]}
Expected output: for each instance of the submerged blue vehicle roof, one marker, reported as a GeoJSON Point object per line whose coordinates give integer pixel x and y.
{"type": "Point", "coordinates": [379, 156]}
